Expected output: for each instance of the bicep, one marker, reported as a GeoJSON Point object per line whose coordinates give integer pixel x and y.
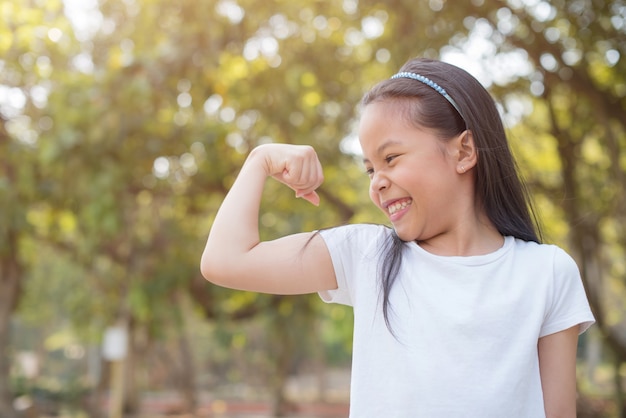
{"type": "Point", "coordinates": [295, 264]}
{"type": "Point", "coordinates": [557, 365]}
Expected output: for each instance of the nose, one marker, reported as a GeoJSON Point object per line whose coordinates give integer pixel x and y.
{"type": "Point", "coordinates": [379, 182]}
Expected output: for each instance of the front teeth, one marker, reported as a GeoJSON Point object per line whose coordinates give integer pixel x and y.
{"type": "Point", "coordinates": [393, 208]}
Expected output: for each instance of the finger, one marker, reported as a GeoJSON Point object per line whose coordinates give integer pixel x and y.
{"type": "Point", "coordinates": [313, 181]}
{"type": "Point", "coordinates": [303, 178]}
{"type": "Point", "coordinates": [312, 197]}
{"type": "Point", "coordinates": [303, 175]}
{"type": "Point", "coordinates": [315, 173]}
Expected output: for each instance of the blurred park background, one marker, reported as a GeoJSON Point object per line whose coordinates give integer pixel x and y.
{"type": "Point", "coordinates": [124, 122]}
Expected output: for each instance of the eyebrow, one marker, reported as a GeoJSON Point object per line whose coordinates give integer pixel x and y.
{"type": "Point", "coordinates": [381, 148]}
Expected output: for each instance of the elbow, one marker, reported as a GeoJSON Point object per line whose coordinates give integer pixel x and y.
{"type": "Point", "coordinates": [206, 272]}
{"type": "Point", "coordinates": [209, 268]}
{"type": "Point", "coordinates": [218, 269]}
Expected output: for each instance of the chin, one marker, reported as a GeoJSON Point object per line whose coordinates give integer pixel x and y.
{"type": "Point", "coordinates": [404, 236]}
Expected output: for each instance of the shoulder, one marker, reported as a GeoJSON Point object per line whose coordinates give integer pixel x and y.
{"type": "Point", "coordinates": [543, 252]}
{"type": "Point", "coordinates": [354, 250]}
{"type": "Point", "coordinates": [357, 232]}
{"type": "Point", "coordinates": [566, 303]}
{"type": "Point", "coordinates": [359, 239]}
{"type": "Point", "coordinates": [548, 261]}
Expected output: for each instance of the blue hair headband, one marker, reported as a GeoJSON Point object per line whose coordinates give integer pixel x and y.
{"type": "Point", "coordinates": [430, 83]}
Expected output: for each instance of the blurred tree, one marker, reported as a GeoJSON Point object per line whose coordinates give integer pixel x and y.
{"type": "Point", "coordinates": [29, 44]}
{"type": "Point", "coordinates": [130, 117]}
{"type": "Point", "coordinates": [11, 266]}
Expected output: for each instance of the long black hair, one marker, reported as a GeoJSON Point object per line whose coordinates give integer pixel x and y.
{"type": "Point", "coordinates": [499, 189]}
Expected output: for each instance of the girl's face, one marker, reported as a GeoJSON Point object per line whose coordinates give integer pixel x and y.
{"type": "Point", "coordinates": [414, 175]}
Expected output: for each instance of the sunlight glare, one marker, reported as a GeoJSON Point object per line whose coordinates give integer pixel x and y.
{"type": "Point", "coordinates": [85, 17]}
{"type": "Point", "coordinates": [230, 10]}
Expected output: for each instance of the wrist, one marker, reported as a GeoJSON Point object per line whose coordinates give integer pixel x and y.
{"type": "Point", "coordinates": [257, 159]}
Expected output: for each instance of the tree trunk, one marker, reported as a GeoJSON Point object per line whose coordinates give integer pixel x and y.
{"type": "Point", "coordinates": [10, 272]}
{"type": "Point", "coordinates": [132, 396]}
{"type": "Point", "coordinates": [280, 405]}
{"type": "Point", "coordinates": [584, 233]}
{"type": "Point", "coordinates": [187, 375]}
{"type": "Point", "coordinates": [283, 354]}
{"type": "Point", "coordinates": [619, 389]}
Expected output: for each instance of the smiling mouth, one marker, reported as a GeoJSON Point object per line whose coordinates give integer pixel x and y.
{"type": "Point", "coordinates": [399, 205]}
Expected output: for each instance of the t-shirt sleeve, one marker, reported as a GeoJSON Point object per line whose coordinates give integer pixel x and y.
{"type": "Point", "coordinates": [335, 240]}
{"type": "Point", "coordinates": [567, 303]}
{"type": "Point", "coordinates": [354, 253]}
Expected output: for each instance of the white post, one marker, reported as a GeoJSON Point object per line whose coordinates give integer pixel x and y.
{"type": "Point", "coordinates": [114, 349]}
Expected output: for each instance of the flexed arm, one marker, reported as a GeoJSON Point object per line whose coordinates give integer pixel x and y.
{"type": "Point", "coordinates": [235, 257]}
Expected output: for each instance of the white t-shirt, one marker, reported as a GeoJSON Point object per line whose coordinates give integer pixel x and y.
{"type": "Point", "coordinates": [466, 327]}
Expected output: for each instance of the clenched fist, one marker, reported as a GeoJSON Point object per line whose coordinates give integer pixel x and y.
{"type": "Point", "coordinates": [296, 166]}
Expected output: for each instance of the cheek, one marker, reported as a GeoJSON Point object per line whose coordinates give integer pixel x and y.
{"type": "Point", "coordinates": [373, 196]}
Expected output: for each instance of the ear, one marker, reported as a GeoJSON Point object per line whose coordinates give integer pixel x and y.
{"type": "Point", "coordinates": [465, 151]}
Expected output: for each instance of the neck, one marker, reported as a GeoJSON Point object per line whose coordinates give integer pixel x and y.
{"type": "Point", "coordinates": [469, 237]}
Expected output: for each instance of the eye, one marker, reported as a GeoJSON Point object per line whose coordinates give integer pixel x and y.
{"type": "Point", "coordinates": [390, 158]}
{"type": "Point", "coordinates": [369, 171]}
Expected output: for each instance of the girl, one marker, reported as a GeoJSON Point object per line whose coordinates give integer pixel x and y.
{"type": "Point", "coordinates": [459, 310]}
